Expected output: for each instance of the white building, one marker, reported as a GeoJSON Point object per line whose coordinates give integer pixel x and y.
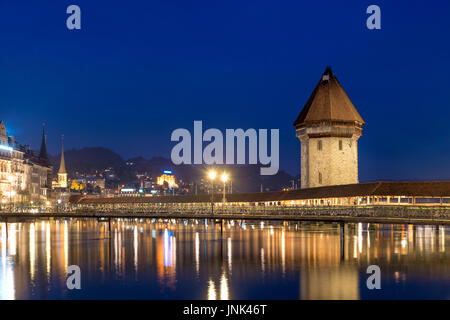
{"type": "Point", "coordinates": [24, 176]}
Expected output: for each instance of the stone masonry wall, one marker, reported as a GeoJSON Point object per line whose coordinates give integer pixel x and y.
{"type": "Point", "coordinates": [335, 166]}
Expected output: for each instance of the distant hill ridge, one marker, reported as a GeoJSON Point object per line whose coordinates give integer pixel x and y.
{"type": "Point", "coordinates": [89, 159]}
{"type": "Point", "coordinates": [246, 178]}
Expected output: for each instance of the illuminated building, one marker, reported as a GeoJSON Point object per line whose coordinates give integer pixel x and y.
{"type": "Point", "coordinates": [61, 183]}
{"type": "Point", "coordinates": [167, 177]}
{"type": "Point", "coordinates": [82, 182]}
{"type": "Point", "coordinates": [128, 191]}
{"type": "Point", "coordinates": [24, 175]}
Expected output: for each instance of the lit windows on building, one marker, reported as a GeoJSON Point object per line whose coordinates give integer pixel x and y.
{"type": "Point", "coordinates": [167, 177]}
{"type": "Point", "coordinates": [24, 174]}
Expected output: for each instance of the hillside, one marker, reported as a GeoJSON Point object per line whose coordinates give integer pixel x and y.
{"type": "Point", "coordinates": [246, 178]}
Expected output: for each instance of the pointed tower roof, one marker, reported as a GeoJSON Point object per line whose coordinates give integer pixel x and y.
{"type": "Point", "coordinates": [43, 152]}
{"type": "Point", "coordinates": [62, 164]}
{"type": "Point", "coordinates": [3, 129]}
{"type": "Point", "coordinates": [4, 140]}
{"type": "Point", "coordinates": [328, 102]}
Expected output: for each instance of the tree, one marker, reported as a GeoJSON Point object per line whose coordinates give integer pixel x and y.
{"type": "Point", "coordinates": [97, 189]}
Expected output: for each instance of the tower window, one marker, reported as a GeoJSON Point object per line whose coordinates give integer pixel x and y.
{"type": "Point", "coordinates": [340, 144]}
{"type": "Point", "coordinates": [319, 145]}
{"type": "Point", "coordinates": [320, 177]}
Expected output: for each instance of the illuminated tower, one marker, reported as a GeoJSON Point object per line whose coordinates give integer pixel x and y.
{"type": "Point", "coordinates": [3, 134]}
{"type": "Point", "coordinates": [62, 173]}
{"type": "Point", "coordinates": [329, 127]}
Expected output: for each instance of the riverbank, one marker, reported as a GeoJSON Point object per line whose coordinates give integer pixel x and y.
{"type": "Point", "coordinates": [435, 215]}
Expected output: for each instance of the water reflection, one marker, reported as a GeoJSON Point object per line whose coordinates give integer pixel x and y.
{"type": "Point", "coordinates": [208, 259]}
{"type": "Point", "coordinates": [223, 287]}
{"type": "Point", "coordinates": [211, 290]}
{"type": "Point", "coordinates": [7, 265]}
{"type": "Point", "coordinates": [32, 248]}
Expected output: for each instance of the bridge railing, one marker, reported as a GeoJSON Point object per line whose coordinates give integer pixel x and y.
{"type": "Point", "coordinates": [301, 211]}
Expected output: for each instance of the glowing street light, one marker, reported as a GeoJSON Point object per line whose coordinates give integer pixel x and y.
{"type": "Point", "coordinates": [224, 178]}
{"type": "Point", "coordinates": [212, 175]}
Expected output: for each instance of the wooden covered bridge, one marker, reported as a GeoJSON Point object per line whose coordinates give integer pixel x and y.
{"type": "Point", "coordinates": [371, 194]}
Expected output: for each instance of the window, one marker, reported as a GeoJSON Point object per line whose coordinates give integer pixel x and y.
{"type": "Point", "coordinates": [320, 177]}
{"type": "Point", "coordinates": [319, 145]}
{"type": "Point", "coordinates": [340, 144]}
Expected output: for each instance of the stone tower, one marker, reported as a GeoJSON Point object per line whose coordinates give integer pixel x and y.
{"type": "Point", "coordinates": [328, 127]}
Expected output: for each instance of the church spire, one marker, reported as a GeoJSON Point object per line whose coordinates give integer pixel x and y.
{"type": "Point", "coordinates": [43, 152]}
{"type": "Point", "coordinates": [62, 165]}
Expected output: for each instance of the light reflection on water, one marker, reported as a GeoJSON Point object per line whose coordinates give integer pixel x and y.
{"type": "Point", "coordinates": [206, 259]}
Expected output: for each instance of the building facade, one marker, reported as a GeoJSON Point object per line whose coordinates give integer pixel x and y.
{"type": "Point", "coordinates": [166, 177]}
{"type": "Point", "coordinates": [329, 127]}
{"type": "Point", "coordinates": [24, 175]}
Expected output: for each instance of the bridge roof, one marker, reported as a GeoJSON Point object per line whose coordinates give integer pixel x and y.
{"type": "Point", "coordinates": [418, 188]}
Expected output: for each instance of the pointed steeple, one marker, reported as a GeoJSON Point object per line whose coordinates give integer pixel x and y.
{"type": "Point", "coordinates": [43, 152]}
{"type": "Point", "coordinates": [2, 129]}
{"type": "Point", "coordinates": [62, 164]}
{"type": "Point", "coordinates": [3, 134]}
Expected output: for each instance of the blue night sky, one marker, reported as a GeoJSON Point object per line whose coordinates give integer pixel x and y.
{"type": "Point", "coordinates": [137, 70]}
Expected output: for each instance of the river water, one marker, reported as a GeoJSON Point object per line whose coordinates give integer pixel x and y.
{"type": "Point", "coordinates": [230, 259]}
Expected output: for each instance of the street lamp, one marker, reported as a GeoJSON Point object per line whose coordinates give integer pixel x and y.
{"type": "Point", "coordinates": [58, 205]}
{"type": "Point", "coordinates": [224, 179]}
{"type": "Point", "coordinates": [212, 175]}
